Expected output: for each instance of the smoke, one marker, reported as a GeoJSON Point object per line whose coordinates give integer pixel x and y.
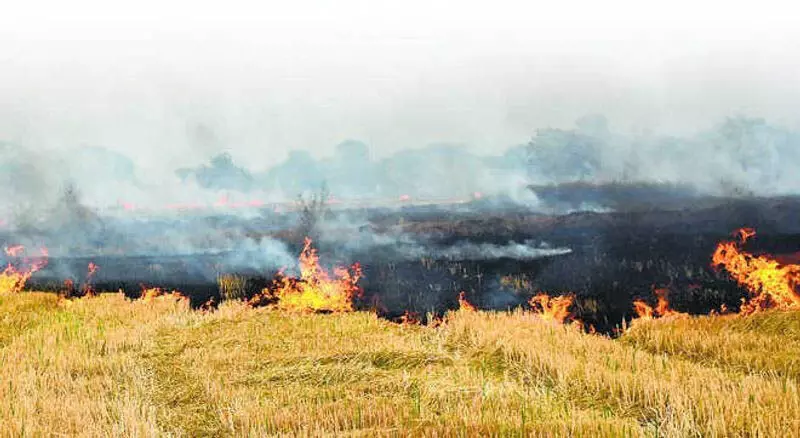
{"type": "Point", "coordinates": [250, 104]}
{"type": "Point", "coordinates": [92, 201]}
{"type": "Point", "coordinates": [739, 156]}
{"type": "Point", "coordinates": [350, 235]}
{"type": "Point", "coordinates": [527, 250]}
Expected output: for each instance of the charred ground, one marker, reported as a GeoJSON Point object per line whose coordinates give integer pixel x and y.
{"type": "Point", "coordinates": [616, 256]}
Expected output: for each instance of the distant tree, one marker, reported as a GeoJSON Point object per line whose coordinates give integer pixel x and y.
{"type": "Point", "coordinates": [70, 209]}
{"type": "Point", "coordinates": [314, 210]}
{"type": "Point", "coordinates": [565, 155]}
{"type": "Point", "coordinates": [352, 151]}
{"type": "Point", "coordinates": [222, 174]}
{"type": "Point", "coordinates": [298, 174]}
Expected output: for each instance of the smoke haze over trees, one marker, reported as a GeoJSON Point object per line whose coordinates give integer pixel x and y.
{"type": "Point", "coordinates": [739, 156]}
{"type": "Point", "coordinates": [254, 102]}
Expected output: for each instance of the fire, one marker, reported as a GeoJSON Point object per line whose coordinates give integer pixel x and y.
{"type": "Point", "coordinates": [152, 294]}
{"type": "Point", "coordinates": [769, 283]}
{"type": "Point", "coordinates": [465, 305]}
{"type": "Point", "coordinates": [210, 305]}
{"type": "Point", "coordinates": [13, 279]}
{"type": "Point", "coordinates": [315, 290]}
{"type": "Point", "coordinates": [88, 287]}
{"type": "Point", "coordinates": [662, 309]}
{"type": "Point", "coordinates": [643, 310]}
{"type": "Point", "coordinates": [552, 308]}
{"type": "Point", "coordinates": [15, 250]}
{"type": "Point", "coordinates": [745, 233]}
{"type": "Point", "coordinates": [410, 318]}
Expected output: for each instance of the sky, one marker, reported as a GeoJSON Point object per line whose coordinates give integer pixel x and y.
{"type": "Point", "coordinates": [172, 83]}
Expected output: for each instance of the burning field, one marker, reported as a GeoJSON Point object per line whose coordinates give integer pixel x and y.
{"type": "Point", "coordinates": [359, 219]}
{"type": "Point", "coordinates": [654, 323]}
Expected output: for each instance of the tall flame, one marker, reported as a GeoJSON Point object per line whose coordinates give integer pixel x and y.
{"type": "Point", "coordinates": [769, 283]}
{"type": "Point", "coordinates": [13, 279]}
{"type": "Point", "coordinates": [552, 308]}
{"type": "Point", "coordinates": [315, 290]}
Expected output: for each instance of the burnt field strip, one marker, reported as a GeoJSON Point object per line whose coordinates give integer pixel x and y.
{"type": "Point", "coordinates": [612, 258]}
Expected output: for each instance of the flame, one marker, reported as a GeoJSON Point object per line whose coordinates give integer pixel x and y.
{"type": "Point", "coordinates": [552, 308]}
{"type": "Point", "coordinates": [723, 309]}
{"type": "Point", "coordinates": [315, 290]}
{"type": "Point", "coordinates": [88, 287]}
{"type": "Point", "coordinates": [465, 305]}
{"type": "Point", "coordinates": [769, 283]}
{"type": "Point", "coordinates": [13, 279]}
{"type": "Point", "coordinates": [209, 306]}
{"type": "Point", "coordinates": [745, 233]}
{"type": "Point", "coordinates": [69, 287]}
{"type": "Point", "coordinates": [152, 294]}
{"type": "Point", "coordinates": [410, 318]}
{"type": "Point", "coordinates": [644, 311]}
{"type": "Point", "coordinates": [15, 250]}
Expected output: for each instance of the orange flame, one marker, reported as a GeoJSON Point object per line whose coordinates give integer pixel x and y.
{"type": "Point", "coordinates": [645, 311]}
{"type": "Point", "coordinates": [152, 294]}
{"type": "Point", "coordinates": [13, 279]}
{"type": "Point", "coordinates": [465, 305]}
{"type": "Point", "coordinates": [315, 290]}
{"type": "Point", "coordinates": [769, 283]}
{"type": "Point", "coordinates": [15, 250]}
{"type": "Point", "coordinates": [552, 308]}
{"type": "Point", "coordinates": [410, 318]}
{"type": "Point", "coordinates": [88, 287]}
{"type": "Point", "coordinates": [745, 233]}
{"type": "Point", "coordinates": [209, 306]}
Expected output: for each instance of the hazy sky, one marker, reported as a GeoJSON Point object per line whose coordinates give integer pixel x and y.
{"type": "Point", "coordinates": [174, 82]}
